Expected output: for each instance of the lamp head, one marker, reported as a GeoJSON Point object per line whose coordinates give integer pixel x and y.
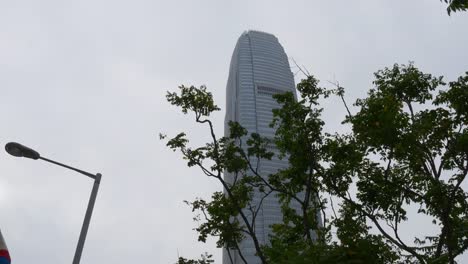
{"type": "Point", "coordinates": [18, 150]}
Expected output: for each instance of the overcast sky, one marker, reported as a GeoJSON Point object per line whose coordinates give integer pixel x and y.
{"type": "Point", "coordinates": [83, 82]}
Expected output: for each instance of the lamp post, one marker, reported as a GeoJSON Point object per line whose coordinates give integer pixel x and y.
{"type": "Point", "coordinates": [18, 150]}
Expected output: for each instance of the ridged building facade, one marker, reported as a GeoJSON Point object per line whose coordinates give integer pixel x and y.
{"type": "Point", "coordinates": [259, 68]}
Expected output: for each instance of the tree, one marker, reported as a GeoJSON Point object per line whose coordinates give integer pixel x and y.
{"type": "Point", "coordinates": [456, 5]}
{"type": "Point", "coordinates": [407, 149]}
{"type": "Point", "coordinates": [205, 259]}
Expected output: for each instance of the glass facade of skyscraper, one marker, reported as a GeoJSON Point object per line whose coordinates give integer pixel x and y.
{"type": "Point", "coordinates": [259, 68]}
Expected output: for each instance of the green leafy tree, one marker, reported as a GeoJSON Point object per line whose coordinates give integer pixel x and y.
{"type": "Point", "coordinates": [407, 149]}
{"type": "Point", "coordinates": [205, 259]}
{"type": "Point", "coordinates": [456, 5]}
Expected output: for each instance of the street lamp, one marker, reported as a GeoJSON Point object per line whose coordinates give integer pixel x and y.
{"type": "Point", "coordinates": [18, 150]}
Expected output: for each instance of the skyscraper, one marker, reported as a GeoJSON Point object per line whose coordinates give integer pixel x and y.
{"type": "Point", "coordinates": [259, 68]}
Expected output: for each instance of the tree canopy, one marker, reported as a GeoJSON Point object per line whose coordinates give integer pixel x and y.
{"type": "Point", "coordinates": [456, 5]}
{"type": "Point", "coordinates": [406, 149]}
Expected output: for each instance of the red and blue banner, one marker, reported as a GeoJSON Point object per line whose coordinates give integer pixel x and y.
{"type": "Point", "coordinates": [4, 257]}
{"type": "Point", "coordinates": [4, 254]}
